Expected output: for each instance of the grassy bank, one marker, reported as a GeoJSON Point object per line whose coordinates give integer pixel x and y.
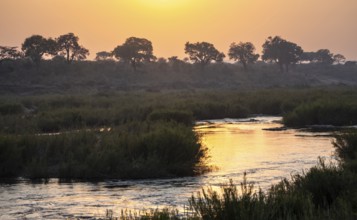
{"type": "Point", "coordinates": [151, 133]}
{"type": "Point", "coordinates": [134, 150]}
{"type": "Point", "coordinates": [300, 107]}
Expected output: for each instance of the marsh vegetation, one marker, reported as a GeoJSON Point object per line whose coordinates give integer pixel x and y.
{"type": "Point", "coordinates": [140, 135]}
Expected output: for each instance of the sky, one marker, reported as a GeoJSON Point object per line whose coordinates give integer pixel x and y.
{"type": "Point", "coordinates": [103, 24]}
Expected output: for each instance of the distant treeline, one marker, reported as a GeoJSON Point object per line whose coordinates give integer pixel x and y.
{"type": "Point", "coordinates": [140, 50]}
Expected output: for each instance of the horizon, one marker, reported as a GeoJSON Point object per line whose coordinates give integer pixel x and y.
{"type": "Point", "coordinates": [102, 25]}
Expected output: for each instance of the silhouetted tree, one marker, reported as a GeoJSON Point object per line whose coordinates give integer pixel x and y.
{"type": "Point", "coordinates": [161, 60]}
{"type": "Point", "coordinates": [135, 50]}
{"type": "Point", "coordinates": [36, 46]}
{"type": "Point", "coordinates": [103, 55]}
{"type": "Point", "coordinates": [69, 47]}
{"type": "Point", "coordinates": [243, 53]}
{"type": "Point", "coordinates": [350, 63]}
{"type": "Point", "coordinates": [175, 63]}
{"type": "Point", "coordinates": [173, 59]}
{"type": "Point", "coordinates": [9, 53]}
{"type": "Point", "coordinates": [324, 56]}
{"type": "Point", "coordinates": [281, 51]}
{"type": "Point", "coordinates": [203, 53]}
{"type": "Point", "coordinates": [339, 58]}
{"type": "Point", "coordinates": [308, 57]}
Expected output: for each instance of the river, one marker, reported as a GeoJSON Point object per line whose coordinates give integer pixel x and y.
{"type": "Point", "coordinates": [235, 147]}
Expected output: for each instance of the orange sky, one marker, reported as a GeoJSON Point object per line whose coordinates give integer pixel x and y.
{"type": "Point", "coordinates": [104, 24]}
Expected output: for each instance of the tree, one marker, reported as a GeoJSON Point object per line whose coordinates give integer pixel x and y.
{"type": "Point", "coordinates": [9, 53]}
{"type": "Point", "coordinates": [350, 63]}
{"type": "Point", "coordinates": [203, 53]}
{"type": "Point", "coordinates": [175, 63]}
{"type": "Point", "coordinates": [339, 58]}
{"type": "Point", "coordinates": [103, 55]}
{"type": "Point", "coordinates": [174, 59]}
{"type": "Point", "coordinates": [135, 50]}
{"type": "Point", "coordinates": [324, 56]}
{"type": "Point", "coordinates": [308, 57]}
{"type": "Point", "coordinates": [36, 46]}
{"type": "Point", "coordinates": [243, 53]}
{"type": "Point", "coordinates": [281, 51]}
{"type": "Point", "coordinates": [69, 47]}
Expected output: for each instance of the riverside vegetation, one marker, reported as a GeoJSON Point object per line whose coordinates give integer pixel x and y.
{"type": "Point", "coordinates": [146, 135]}
{"type": "Point", "coordinates": [139, 134]}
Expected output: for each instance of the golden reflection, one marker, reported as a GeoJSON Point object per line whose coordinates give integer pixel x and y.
{"type": "Point", "coordinates": [240, 147]}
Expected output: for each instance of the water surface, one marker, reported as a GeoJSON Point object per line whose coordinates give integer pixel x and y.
{"type": "Point", "coordinates": [236, 146]}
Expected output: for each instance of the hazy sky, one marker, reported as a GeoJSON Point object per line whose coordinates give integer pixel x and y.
{"type": "Point", "coordinates": [104, 24]}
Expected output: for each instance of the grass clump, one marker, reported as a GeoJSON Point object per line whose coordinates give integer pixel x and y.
{"type": "Point", "coordinates": [136, 150]}
{"type": "Point", "coordinates": [323, 112]}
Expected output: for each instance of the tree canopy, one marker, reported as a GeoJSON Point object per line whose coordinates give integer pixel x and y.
{"type": "Point", "coordinates": [324, 56]}
{"type": "Point", "coordinates": [66, 48]}
{"type": "Point", "coordinates": [9, 53]}
{"type": "Point", "coordinates": [339, 58]}
{"type": "Point", "coordinates": [243, 53]}
{"type": "Point", "coordinates": [203, 53]}
{"type": "Point", "coordinates": [135, 50]}
{"type": "Point", "coordinates": [103, 55]}
{"type": "Point", "coordinates": [36, 46]}
{"type": "Point", "coordinates": [69, 47]}
{"type": "Point", "coordinates": [281, 51]}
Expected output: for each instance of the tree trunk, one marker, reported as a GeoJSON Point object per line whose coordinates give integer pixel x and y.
{"type": "Point", "coordinates": [68, 61]}
{"type": "Point", "coordinates": [245, 66]}
{"type": "Point", "coordinates": [133, 64]}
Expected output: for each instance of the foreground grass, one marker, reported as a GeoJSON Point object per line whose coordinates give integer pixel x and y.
{"type": "Point", "coordinates": [326, 191]}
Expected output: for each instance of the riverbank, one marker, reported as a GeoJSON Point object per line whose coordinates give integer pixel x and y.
{"type": "Point", "coordinates": [144, 126]}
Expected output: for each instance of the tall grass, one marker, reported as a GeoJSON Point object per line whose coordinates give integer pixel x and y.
{"type": "Point", "coordinates": [323, 112]}
{"type": "Point", "coordinates": [135, 150]}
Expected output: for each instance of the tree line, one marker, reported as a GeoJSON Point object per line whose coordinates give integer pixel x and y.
{"type": "Point", "coordinates": [140, 50]}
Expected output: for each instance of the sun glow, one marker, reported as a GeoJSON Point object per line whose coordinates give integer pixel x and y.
{"type": "Point", "coordinates": [163, 4]}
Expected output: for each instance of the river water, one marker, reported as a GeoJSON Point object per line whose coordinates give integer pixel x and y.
{"type": "Point", "coordinates": [235, 147]}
